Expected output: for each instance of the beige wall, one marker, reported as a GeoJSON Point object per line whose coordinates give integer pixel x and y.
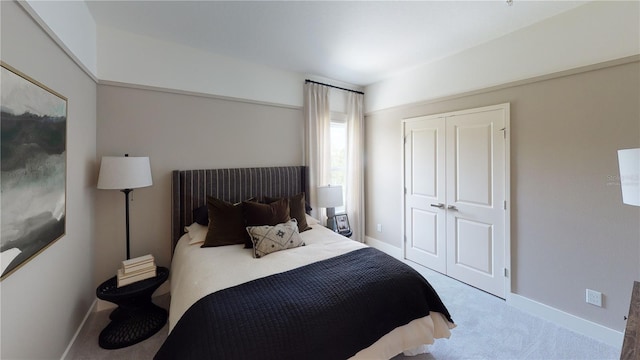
{"type": "Point", "coordinates": [44, 302]}
{"type": "Point", "coordinates": [569, 228]}
{"type": "Point", "coordinates": [178, 131]}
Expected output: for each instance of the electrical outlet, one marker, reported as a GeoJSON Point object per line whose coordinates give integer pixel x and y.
{"type": "Point", "coordinates": [379, 227]}
{"type": "Point", "coordinates": [594, 297]}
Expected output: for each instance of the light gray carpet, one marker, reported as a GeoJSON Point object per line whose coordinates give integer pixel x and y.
{"type": "Point", "coordinates": [487, 329]}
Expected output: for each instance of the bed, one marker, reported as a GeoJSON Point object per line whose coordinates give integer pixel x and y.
{"type": "Point", "coordinates": [324, 297]}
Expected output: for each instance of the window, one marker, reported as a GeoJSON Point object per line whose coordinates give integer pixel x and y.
{"type": "Point", "coordinates": [338, 133]}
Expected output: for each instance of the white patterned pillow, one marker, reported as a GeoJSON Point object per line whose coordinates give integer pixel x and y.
{"type": "Point", "coordinates": [268, 239]}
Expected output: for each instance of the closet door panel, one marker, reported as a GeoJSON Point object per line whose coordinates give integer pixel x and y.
{"type": "Point", "coordinates": [473, 161]}
{"type": "Point", "coordinates": [424, 192]}
{"type": "Point", "coordinates": [475, 198]}
{"type": "Point", "coordinates": [474, 246]}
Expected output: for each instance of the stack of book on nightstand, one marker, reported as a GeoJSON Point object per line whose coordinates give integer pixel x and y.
{"type": "Point", "coordinates": [136, 269]}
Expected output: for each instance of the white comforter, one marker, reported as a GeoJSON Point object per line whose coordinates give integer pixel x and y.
{"type": "Point", "coordinates": [197, 272]}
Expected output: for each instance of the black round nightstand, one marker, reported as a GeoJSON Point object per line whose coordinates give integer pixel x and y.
{"type": "Point", "coordinates": [136, 318]}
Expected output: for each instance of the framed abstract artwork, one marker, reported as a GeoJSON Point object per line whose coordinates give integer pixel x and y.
{"type": "Point", "coordinates": [33, 180]}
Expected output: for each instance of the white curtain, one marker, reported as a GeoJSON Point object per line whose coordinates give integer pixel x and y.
{"type": "Point", "coordinates": [354, 201]}
{"type": "Point", "coordinates": [317, 115]}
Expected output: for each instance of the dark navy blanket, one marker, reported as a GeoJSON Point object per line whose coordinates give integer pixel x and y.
{"type": "Point", "coordinates": [326, 310]}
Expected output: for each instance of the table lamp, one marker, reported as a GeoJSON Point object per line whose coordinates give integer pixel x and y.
{"type": "Point", "coordinates": [330, 197]}
{"type": "Point", "coordinates": [124, 173]}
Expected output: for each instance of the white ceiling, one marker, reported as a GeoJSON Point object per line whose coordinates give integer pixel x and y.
{"type": "Point", "coordinates": [359, 42]}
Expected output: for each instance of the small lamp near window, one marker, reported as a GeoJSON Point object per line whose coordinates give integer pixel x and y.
{"type": "Point", "coordinates": [124, 173]}
{"type": "Point", "coordinates": [629, 162]}
{"type": "Point", "coordinates": [330, 197]}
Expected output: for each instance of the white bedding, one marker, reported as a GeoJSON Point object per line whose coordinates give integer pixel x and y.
{"type": "Point", "coordinates": [197, 272]}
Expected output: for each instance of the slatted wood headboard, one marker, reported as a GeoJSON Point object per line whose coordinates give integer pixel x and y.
{"type": "Point", "coordinates": [190, 189]}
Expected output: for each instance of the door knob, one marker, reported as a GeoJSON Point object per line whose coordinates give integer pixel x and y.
{"type": "Point", "coordinates": [451, 207]}
{"type": "Point", "coordinates": [438, 205]}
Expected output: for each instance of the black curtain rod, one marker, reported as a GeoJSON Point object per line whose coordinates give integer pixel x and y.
{"type": "Point", "coordinates": [335, 87]}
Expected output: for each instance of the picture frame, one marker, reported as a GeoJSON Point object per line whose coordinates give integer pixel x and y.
{"type": "Point", "coordinates": [33, 154]}
{"type": "Point", "coordinates": [342, 225]}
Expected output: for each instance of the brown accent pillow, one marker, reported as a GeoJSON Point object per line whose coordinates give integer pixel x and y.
{"type": "Point", "coordinates": [256, 214]}
{"type": "Point", "coordinates": [226, 224]}
{"type": "Point", "coordinates": [297, 209]}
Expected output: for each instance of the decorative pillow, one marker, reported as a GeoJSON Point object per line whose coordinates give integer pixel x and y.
{"type": "Point", "coordinates": [264, 214]}
{"type": "Point", "coordinates": [226, 224]}
{"type": "Point", "coordinates": [197, 233]}
{"type": "Point", "coordinates": [201, 215]}
{"type": "Point", "coordinates": [296, 210]}
{"type": "Point", "coordinates": [268, 239]}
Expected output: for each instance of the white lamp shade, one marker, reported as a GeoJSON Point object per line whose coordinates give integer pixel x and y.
{"type": "Point", "coordinates": [123, 172]}
{"type": "Point", "coordinates": [329, 196]}
{"type": "Point", "coordinates": [629, 161]}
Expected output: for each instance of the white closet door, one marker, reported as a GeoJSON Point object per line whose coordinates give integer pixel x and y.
{"type": "Point", "coordinates": [476, 199]}
{"type": "Point", "coordinates": [425, 228]}
{"type": "Point", "coordinates": [455, 195]}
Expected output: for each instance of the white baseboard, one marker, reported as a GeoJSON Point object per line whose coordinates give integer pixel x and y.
{"type": "Point", "coordinates": [75, 336]}
{"type": "Point", "coordinates": [574, 323]}
{"type": "Point", "coordinates": [394, 251]}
